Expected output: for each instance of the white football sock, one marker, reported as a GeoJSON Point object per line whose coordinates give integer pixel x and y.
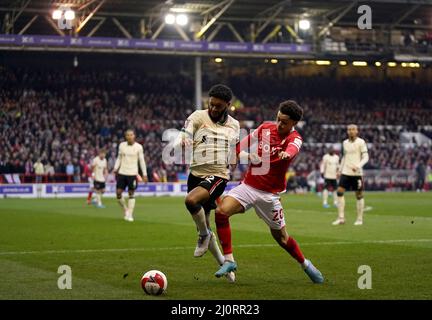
{"type": "Point", "coordinates": [229, 257]}
{"type": "Point", "coordinates": [360, 209]}
{"type": "Point", "coordinates": [200, 222]}
{"type": "Point", "coordinates": [215, 250]}
{"type": "Point", "coordinates": [131, 206]}
{"type": "Point", "coordinates": [99, 198]}
{"type": "Point", "coordinates": [341, 207]}
{"type": "Point", "coordinates": [335, 198]}
{"type": "Point", "coordinates": [122, 203]}
{"type": "Point", "coordinates": [325, 196]}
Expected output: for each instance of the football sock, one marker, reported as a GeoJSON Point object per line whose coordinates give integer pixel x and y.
{"type": "Point", "coordinates": [122, 203]}
{"type": "Point", "coordinates": [341, 207]}
{"type": "Point", "coordinates": [224, 232]}
{"type": "Point", "coordinates": [335, 198]}
{"type": "Point", "coordinates": [360, 209]}
{"type": "Point", "coordinates": [89, 195]}
{"type": "Point", "coordinates": [99, 198]}
{"type": "Point", "coordinates": [229, 257]}
{"type": "Point", "coordinates": [131, 205]}
{"type": "Point", "coordinates": [293, 249]}
{"type": "Point", "coordinates": [200, 222]}
{"type": "Point", "coordinates": [214, 249]}
{"type": "Point", "coordinates": [325, 196]}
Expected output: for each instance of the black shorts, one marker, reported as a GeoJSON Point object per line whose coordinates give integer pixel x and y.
{"type": "Point", "coordinates": [99, 185]}
{"type": "Point", "coordinates": [354, 183]}
{"type": "Point", "coordinates": [214, 185]}
{"type": "Point", "coordinates": [330, 183]}
{"type": "Point", "coordinates": [126, 181]}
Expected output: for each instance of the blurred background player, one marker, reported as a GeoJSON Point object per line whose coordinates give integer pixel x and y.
{"type": "Point", "coordinates": [100, 171]}
{"type": "Point", "coordinates": [212, 134]}
{"type": "Point", "coordinates": [278, 145]}
{"type": "Point", "coordinates": [88, 172]}
{"type": "Point", "coordinates": [329, 168]}
{"type": "Point", "coordinates": [130, 155]}
{"type": "Point", "coordinates": [354, 157]}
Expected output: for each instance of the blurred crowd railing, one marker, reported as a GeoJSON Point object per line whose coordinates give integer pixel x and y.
{"type": "Point", "coordinates": [374, 180]}
{"type": "Point", "coordinates": [19, 178]}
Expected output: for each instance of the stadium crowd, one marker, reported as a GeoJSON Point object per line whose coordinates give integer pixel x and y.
{"type": "Point", "coordinates": [53, 123]}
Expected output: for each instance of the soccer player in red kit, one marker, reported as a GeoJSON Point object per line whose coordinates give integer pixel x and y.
{"type": "Point", "coordinates": [278, 145]}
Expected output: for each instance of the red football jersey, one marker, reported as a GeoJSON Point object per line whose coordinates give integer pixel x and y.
{"type": "Point", "coordinates": [270, 174]}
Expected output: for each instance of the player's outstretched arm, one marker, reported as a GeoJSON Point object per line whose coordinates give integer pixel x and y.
{"type": "Point", "coordinates": [292, 149]}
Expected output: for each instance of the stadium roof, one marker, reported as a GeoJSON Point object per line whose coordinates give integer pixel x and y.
{"type": "Point", "coordinates": [240, 14]}
{"type": "Point", "coordinates": [257, 21]}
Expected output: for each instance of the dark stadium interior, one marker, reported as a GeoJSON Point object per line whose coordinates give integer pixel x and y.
{"type": "Point", "coordinates": [64, 114]}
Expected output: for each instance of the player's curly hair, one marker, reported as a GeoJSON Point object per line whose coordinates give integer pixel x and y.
{"type": "Point", "coordinates": [291, 109]}
{"type": "Point", "coordinates": [222, 92]}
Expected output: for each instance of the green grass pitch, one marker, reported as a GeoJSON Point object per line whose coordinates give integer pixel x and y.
{"type": "Point", "coordinates": [108, 255]}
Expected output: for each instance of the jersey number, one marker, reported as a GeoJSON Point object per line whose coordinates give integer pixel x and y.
{"type": "Point", "coordinates": [209, 179]}
{"type": "Point", "coordinates": [278, 215]}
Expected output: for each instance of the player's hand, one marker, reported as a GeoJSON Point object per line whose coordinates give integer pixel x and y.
{"type": "Point", "coordinates": [186, 142]}
{"type": "Point", "coordinates": [144, 179]}
{"type": "Point", "coordinates": [355, 169]}
{"type": "Point", "coordinates": [284, 155]}
{"type": "Point", "coordinates": [338, 174]}
{"type": "Point", "coordinates": [233, 167]}
{"type": "Point", "coordinates": [254, 158]}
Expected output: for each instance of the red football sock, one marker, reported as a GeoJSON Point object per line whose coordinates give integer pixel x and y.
{"type": "Point", "coordinates": [224, 232]}
{"type": "Point", "coordinates": [89, 196]}
{"type": "Point", "coordinates": [293, 249]}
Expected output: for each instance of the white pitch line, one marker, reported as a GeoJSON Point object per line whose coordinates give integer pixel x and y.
{"type": "Point", "coordinates": [328, 243]}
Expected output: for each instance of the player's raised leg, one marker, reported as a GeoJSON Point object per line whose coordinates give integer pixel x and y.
{"type": "Point", "coordinates": [226, 208]}
{"type": "Point", "coordinates": [215, 250]}
{"type": "Point", "coordinates": [194, 200]}
{"type": "Point", "coordinates": [290, 245]}
{"type": "Point", "coordinates": [269, 208]}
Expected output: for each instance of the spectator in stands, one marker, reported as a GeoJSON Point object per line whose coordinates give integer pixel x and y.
{"type": "Point", "coordinates": [82, 111]}
{"type": "Point", "coordinates": [49, 171]}
{"type": "Point", "coordinates": [39, 170]}
{"type": "Point", "coordinates": [421, 175]}
{"type": "Point", "coordinates": [70, 170]}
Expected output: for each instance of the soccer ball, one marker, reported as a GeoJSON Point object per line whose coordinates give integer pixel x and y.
{"type": "Point", "coordinates": [154, 282]}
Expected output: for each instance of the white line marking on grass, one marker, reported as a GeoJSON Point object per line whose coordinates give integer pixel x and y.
{"type": "Point", "coordinates": [328, 243]}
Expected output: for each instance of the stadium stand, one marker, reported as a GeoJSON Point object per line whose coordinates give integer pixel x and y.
{"type": "Point", "coordinates": [67, 115]}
